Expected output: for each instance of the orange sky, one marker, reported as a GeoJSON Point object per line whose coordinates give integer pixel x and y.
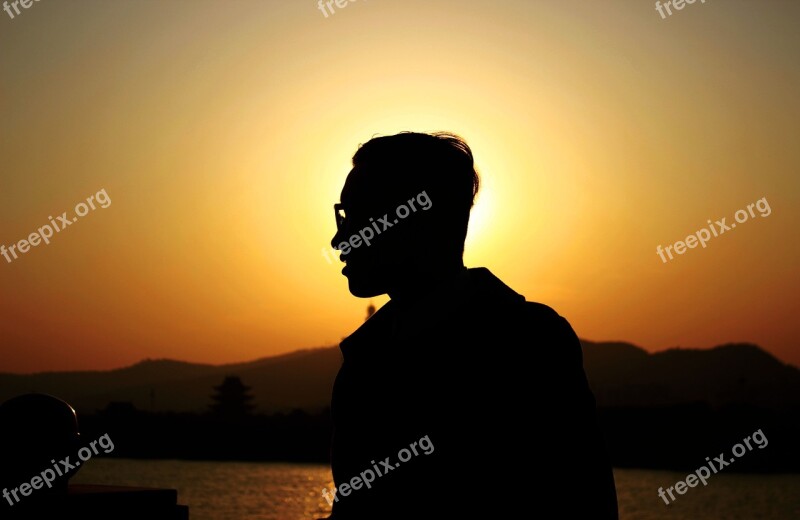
{"type": "Point", "coordinates": [222, 133]}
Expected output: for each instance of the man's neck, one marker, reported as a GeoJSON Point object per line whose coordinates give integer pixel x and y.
{"type": "Point", "coordinates": [420, 284]}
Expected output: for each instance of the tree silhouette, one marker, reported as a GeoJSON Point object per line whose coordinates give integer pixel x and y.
{"type": "Point", "coordinates": [232, 398]}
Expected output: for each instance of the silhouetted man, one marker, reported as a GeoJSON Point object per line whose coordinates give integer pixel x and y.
{"type": "Point", "coordinates": [457, 398]}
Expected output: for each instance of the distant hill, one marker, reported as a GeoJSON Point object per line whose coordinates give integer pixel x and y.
{"type": "Point", "coordinates": [301, 379]}
{"type": "Point", "coordinates": [620, 374]}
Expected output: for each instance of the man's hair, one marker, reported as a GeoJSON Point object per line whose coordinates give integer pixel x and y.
{"type": "Point", "coordinates": [441, 164]}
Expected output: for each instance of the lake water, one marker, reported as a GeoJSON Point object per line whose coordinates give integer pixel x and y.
{"type": "Point", "coordinates": [273, 491]}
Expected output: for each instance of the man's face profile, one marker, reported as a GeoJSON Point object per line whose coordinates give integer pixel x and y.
{"type": "Point", "coordinates": [361, 223]}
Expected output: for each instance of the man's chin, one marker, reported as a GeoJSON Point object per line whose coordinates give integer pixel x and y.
{"type": "Point", "coordinates": [362, 287]}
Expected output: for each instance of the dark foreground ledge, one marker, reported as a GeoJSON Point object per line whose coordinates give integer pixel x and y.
{"type": "Point", "coordinates": [91, 502]}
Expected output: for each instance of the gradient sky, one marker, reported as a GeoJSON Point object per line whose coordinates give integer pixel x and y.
{"type": "Point", "coordinates": [223, 131]}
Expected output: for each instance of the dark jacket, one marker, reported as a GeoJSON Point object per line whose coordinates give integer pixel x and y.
{"type": "Point", "coordinates": [496, 384]}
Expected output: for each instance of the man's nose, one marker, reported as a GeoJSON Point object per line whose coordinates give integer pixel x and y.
{"type": "Point", "coordinates": [337, 239]}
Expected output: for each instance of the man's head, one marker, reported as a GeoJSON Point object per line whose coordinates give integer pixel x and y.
{"type": "Point", "coordinates": [406, 206]}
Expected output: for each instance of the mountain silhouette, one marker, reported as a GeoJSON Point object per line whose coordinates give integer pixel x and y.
{"type": "Point", "coordinates": [298, 380]}
{"type": "Point", "coordinates": [620, 374]}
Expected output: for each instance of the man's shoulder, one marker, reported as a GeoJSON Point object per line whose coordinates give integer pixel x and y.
{"type": "Point", "coordinates": [493, 299]}
{"type": "Point", "coordinates": [541, 320]}
{"type": "Point", "coordinates": [488, 289]}
{"type": "Point", "coordinates": [539, 310]}
{"type": "Point", "coordinates": [531, 311]}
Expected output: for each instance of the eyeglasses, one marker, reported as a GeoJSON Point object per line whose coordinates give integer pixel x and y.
{"type": "Point", "coordinates": [338, 211]}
